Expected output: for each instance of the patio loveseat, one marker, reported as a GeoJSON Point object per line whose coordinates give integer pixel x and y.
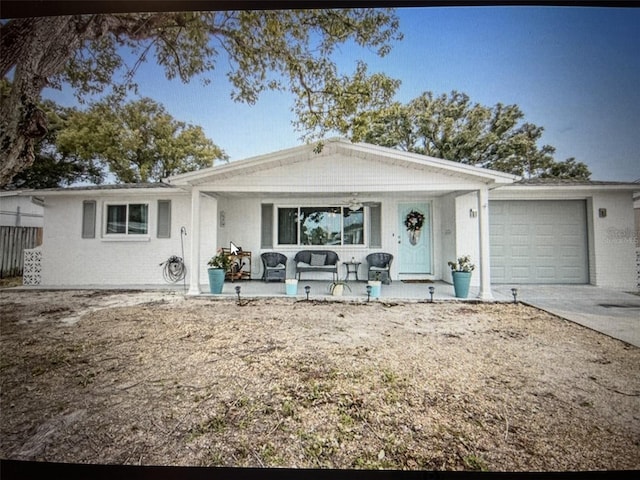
{"type": "Point", "coordinates": [316, 261]}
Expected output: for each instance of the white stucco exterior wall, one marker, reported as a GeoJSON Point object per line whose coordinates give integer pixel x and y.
{"type": "Point", "coordinates": [241, 226]}
{"type": "Point", "coordinates": [448, 232]}
{"type": "Point", "coordinates": [467, 232]}
{"type": "Point", "coordinates": [18, 211]}
{"type": "Point", "coordinates": [613, 258]}
{"type": "Point", "coordinates": [68, 259]}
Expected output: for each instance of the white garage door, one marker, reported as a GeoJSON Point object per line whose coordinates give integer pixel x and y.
{"type": "Point", "coordinates": [538, 241]}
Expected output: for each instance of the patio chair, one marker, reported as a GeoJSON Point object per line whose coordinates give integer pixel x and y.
{"type": "Point", "coordinates": [380, 264]}
{"type": "Point", "coordinates": [274, 266]}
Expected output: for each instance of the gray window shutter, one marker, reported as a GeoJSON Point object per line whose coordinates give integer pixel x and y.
{"type": "Point", "coordinates": [164, 218]}
{"type": "Point", "coordinates": [375, 226]}
{"type": "Point", "coordinates": [89, 219]}
{"type": "Point", "coordinates": [266, 235]}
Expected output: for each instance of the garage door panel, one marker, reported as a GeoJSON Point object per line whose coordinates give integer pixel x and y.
{"type": "Point", "coordinates": [520, 230]}
{"type": "Point", "coordinates": [520, 251]}
{"type": "Point", "coordinates": [538, 241]}
{"type": "Point", "coordinates": [521, 272]}
{"type": "Point", "coordinates": [546, 274]}
{"type": "Point", "coordinates": [545, 252]}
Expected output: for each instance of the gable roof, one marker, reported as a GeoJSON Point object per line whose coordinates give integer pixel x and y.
{"type": "Point", "coordinates": [346, 150]}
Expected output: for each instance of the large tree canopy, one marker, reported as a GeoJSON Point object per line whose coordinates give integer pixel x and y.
{"type": "Point", "coordinates": [137, 142]}
{"type": "Point", "coordinates": [275, 50]}
{"type": "Point", "coordinates": [454, 128]}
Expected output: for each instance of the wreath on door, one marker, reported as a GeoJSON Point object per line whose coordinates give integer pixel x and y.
{"type": "Point", "coordinates": [414, 221]}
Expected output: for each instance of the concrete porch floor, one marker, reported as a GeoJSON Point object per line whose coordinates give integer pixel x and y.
{"type": "Point", "coordinates": [396, 290]}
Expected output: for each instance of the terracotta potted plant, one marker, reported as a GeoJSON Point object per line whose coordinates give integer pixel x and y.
{"type": "Point", "coordinates": [461, 274]}
{"type": "Point", "coordinates": [218, 267]}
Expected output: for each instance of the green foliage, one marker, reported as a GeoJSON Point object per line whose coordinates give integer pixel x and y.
{"type": "Point", "coordinates": [260, 50]}
{"type": "Point", "coordinates": [475, 463]}
{"type": "Point", "coordinates": [454, 128]}
{"type": "Point", "coordinates": [53, 167]}
{"type": "Point", "coordinates": [463, 264]}
{"type": "Point", "coordinates": [570, 168]}
{"type": "Point", "coordinates": [220, 260]}
{"type": "Point", "coordinates": [138, 141]}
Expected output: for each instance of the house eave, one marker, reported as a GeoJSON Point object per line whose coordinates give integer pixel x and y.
{"type": "Point", "coordinates": [617, 187]}
{"type": "Point", "coordinates": [104, 190]}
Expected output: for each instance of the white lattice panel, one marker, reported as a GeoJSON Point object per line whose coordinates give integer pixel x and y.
{"type": "Point", "coordinates": [32, 266]}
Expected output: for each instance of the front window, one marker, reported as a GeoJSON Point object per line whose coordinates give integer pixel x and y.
{"type": "Point", "coordinates": [128, 219]}
{"type": "Point", "coordinates": [320, 226]}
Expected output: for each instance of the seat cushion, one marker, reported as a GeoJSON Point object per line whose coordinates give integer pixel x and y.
{"type": "Point", "coordinates": [277, 267]}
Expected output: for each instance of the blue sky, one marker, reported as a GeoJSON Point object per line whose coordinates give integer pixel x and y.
{"type": "Point", "coordinates": [573, 70]}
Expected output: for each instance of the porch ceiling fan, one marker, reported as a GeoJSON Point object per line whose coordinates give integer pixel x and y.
{"type": "Point", "coordinates": [354, 203]}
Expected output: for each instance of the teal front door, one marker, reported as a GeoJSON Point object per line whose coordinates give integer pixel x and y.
{"type": "Point", "coordinates": [414, 244]}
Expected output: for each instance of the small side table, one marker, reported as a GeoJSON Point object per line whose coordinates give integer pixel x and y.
{"type": "Point", "coordinates": [351, 267]}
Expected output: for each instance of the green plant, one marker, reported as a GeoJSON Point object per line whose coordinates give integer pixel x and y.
{"type": "Point", "coordinates": [377, 277]}
{"type": "Point", "coordinates": [475, 463]}
{"type": "Point", "coordinates": [220, 260]}
{"type": "Point", "coordinates": [462, 265]}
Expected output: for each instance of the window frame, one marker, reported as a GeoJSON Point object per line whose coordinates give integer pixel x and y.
{"type": "Point", "coordinates": [299, 207]}
{"type": "Point", "coordinates": [126, 235]}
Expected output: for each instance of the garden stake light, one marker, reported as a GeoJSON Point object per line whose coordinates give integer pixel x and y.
{"type": "Point", "coordinates": [431, 291]}
{"type": "Point", "coordinates": [368, 292]}
{"type": "Point", "coordinates": [514, 292]}
{"type": "Point", "coordinates": [238, 292]}
{"type": "Point", "coordinates": [307, 289]}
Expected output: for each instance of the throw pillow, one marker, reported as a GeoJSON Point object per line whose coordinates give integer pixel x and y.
{"type": "Point", "coordinates": [317, 260]}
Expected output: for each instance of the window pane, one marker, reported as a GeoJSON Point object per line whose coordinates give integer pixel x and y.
{"type": "Point", "coordinates": [287, 226]}
{"type": "Point", "coordinates": [320, 226]}
{"type": "Point", "coordinates": [117, 219]}
{"type": "Point", "coordinates": [138, 218]}
{"type": "Point", "coordinates": [353, 227]}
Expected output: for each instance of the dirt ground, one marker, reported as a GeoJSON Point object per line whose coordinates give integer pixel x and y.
{"type": "Point", "coordinates": [151, 378]}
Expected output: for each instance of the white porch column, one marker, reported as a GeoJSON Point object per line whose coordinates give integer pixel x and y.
{"type": "Point", "coordinates": [194, 277]}
{"type": "Point", "coordinates": [485, 260]}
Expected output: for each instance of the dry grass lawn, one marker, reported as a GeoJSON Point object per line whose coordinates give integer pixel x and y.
{"type": "Point", "coordinates": [156, 379]}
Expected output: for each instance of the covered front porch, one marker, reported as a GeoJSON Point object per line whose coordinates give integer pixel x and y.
{"type": "Point", "coordinates": [352, 199]}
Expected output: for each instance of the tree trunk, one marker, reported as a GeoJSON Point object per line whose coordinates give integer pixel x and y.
{"type": "Point", "coordinates": [36, 49]}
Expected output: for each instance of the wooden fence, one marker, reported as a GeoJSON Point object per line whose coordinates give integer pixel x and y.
{"type": "Point", "coordinates": [13, 241]}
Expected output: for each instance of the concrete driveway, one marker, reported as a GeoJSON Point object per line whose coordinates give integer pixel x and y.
{"type": "Point", "coordinates": [611, 312]}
